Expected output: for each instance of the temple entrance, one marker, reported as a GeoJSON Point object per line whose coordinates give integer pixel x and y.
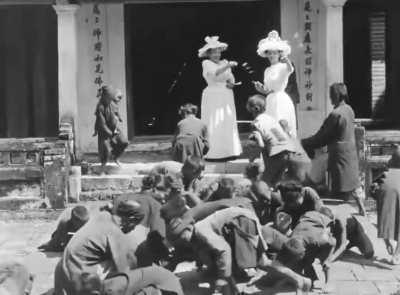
{"type": "Point", "coordinates": [371, 60]}
{"type": "Point", "coordinates": [28, 71]}
{"type": "Point", "coordinates": [163, 70]}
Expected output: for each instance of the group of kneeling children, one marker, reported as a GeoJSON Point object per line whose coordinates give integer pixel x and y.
{"type": "Point", "coordinates": [232, 230]}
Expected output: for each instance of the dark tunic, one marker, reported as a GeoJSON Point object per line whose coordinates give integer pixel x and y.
{"type": "Point", "coordinates": [191, 138]}
{"type": "Point", "coordinates": [99, 244]}
{"type": "Point", "coordinates": [388, 205]}
{"type": "Point", "coordinates": [337, 132]}
{"type": "Point", "coordinates": [111, 141]}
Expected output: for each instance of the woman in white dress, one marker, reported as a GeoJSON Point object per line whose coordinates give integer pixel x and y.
{"type": "Point", "coordinates": [279, 104]}
{"type": "Point", "coordinates": [217, 104]}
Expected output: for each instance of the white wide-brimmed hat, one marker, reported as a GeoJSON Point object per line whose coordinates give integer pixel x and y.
{"type": "Point", "coordinates": [211, 43]}
{"type": "Point", "coordinates": [273, 42]}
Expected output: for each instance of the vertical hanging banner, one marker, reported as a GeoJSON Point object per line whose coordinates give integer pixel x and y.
{"type": "Point", "coordinates": [309, 62]}
{"type": "Point", "coordinates": [98, 48]}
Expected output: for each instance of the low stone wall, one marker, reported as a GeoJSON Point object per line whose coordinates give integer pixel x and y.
{"type": "Point", "coordinates": [374, 149]}
{"type": "Point", "coordinates": [33, 173]}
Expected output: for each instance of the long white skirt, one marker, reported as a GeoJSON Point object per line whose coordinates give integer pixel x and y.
{"type": "Point", "coordinates": [219, 113]}
{"type": "Point", "coordinates": [281, 107]}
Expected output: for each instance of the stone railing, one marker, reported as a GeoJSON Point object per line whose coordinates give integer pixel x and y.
{"type": "Point", "coordinates": [374, 149]}
{"type": "Point", "coordinates": [34, 169]}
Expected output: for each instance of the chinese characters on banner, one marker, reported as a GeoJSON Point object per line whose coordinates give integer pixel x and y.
{"type": "Point", "coordinates": [98, 56]}
{"type": "Point", "coordinates": [309, 61]}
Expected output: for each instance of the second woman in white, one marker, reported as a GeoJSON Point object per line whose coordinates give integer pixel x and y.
{"type": "Point", "coordinates": [217, 104]}
{"type": "Point", "coordinates": [279, 104]}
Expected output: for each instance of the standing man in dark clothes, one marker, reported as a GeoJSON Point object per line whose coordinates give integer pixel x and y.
{"type": "Point", "coordinates": [71, 221]}
{"type": "Point", "coordinates": [111, 141]}
{"type": "Point", "coordinates": [337, 132]}
{"type": "Point", "coordinates": [100, 246]}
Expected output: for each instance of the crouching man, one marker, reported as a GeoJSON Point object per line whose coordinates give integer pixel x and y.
{"type": "Point", "coordinates": [311, 239]}
{"type": "Point", "coordinates": [100, 246]}
{"type": "Point", "coordinates": [229, 240]}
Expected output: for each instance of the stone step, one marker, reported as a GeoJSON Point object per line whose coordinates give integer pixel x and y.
{"type": "Point", "coordinates": [107, 182]}
{"type": "Point", "coordinates": [21, 203]}
{"type": "Point", "coordinates": [108, 186]}
{"type": "Point", "coordinates": [158, 148]}
{"type": "Point", "coordinates": [230, 167]}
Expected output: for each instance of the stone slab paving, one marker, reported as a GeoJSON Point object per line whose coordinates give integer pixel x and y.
{"type": "Point", "coordinates": [351, 275]}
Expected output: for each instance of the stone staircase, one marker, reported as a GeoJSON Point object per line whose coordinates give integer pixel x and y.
{"type": "Point", "coordinates": [128, 177]}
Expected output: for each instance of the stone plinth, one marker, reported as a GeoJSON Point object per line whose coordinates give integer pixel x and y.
{"type": "Point", "coordinates": [33, 173]}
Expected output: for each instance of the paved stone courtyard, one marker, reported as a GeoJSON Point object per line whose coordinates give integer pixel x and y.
{"type": "Point", "coordinates": [352, 275]}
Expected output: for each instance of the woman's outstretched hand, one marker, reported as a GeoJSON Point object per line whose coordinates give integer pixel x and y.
{"type": "Point", "coordinates": [232, 64]}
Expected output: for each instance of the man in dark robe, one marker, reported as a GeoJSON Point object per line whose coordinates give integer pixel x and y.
{"type": "Point", "coordinates": [337, 132]}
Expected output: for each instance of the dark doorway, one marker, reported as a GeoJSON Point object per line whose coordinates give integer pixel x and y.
{"type": "Point", "coordinates": [357, 58]}
{"type": "Point", "coordinates": [161, 46]}
{"type": "Point", "coordinates": [28, 71]}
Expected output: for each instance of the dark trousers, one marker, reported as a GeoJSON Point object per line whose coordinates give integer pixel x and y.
{"type": "Point", "coordinates": [111, 146]}
{"type": "Point", "coordinates": [285, 165]}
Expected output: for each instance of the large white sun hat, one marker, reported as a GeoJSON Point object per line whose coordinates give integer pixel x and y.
{"type": "Point", "coordinates": [211, 43]}
{"type": "Point", "coordinates": [273, 42]}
